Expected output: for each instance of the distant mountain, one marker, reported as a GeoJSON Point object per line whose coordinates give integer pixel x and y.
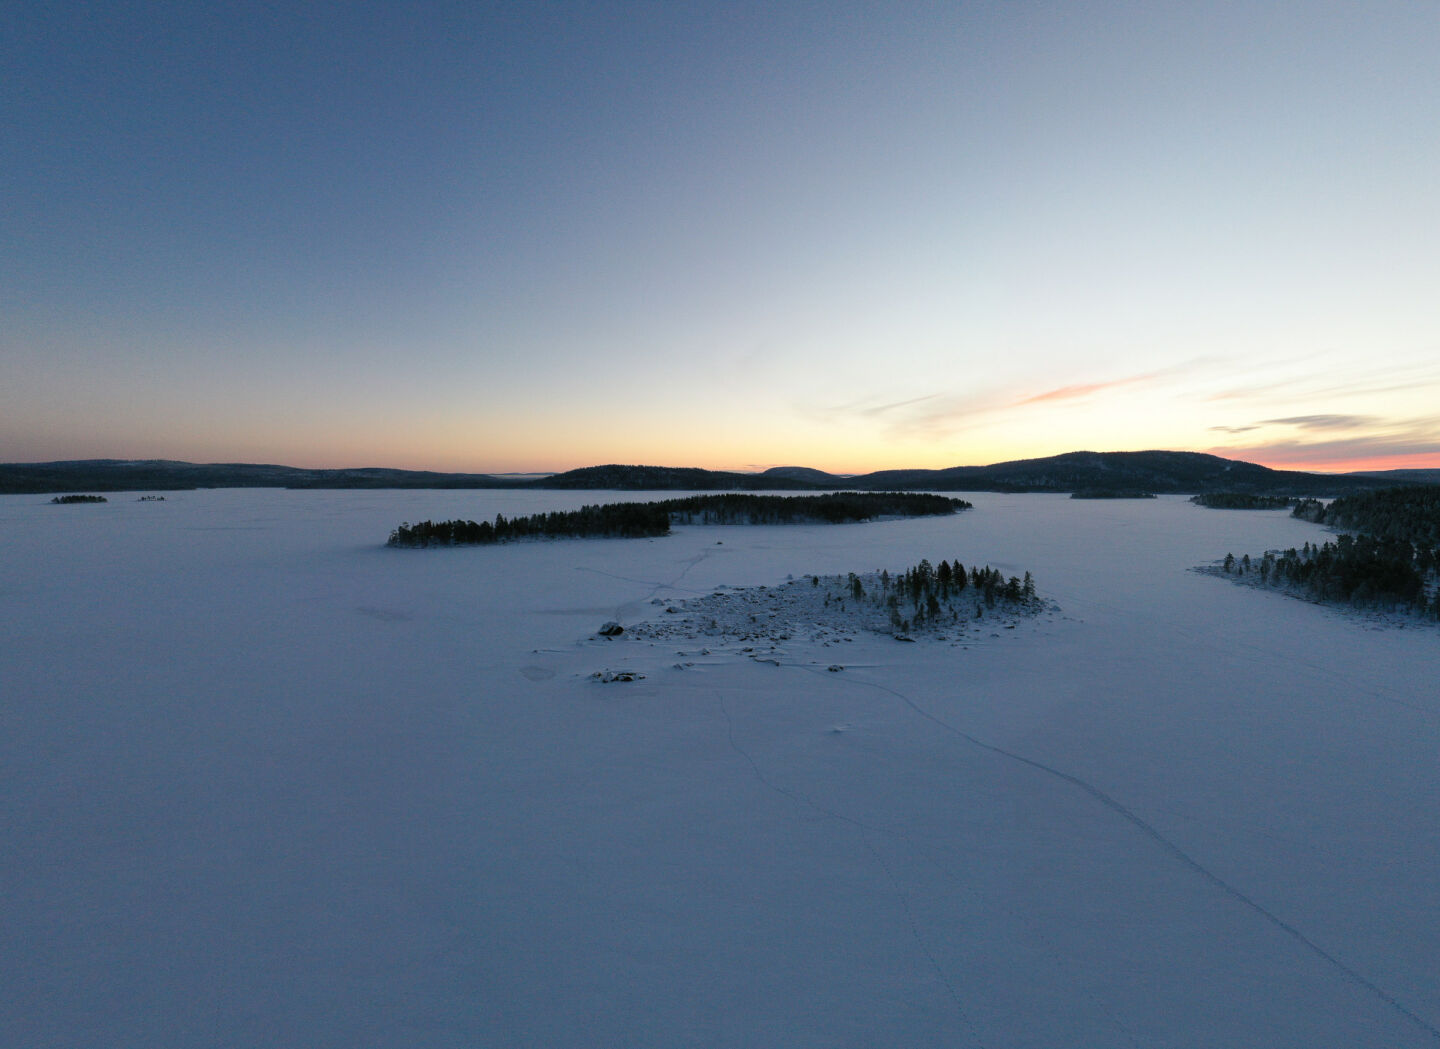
{"type": "Point", "coordinates": [805, 473]}
{"type": "Point", "coordinates": [1190, 473]}
{"type": "Point", "coordinates": [130, 475]}
{"type": "Point", "coordinates": [1156, 471]}
{"type": "Point", "coordinates": [664, 478]}
{"type": "Point", "coordinates": [1095, 472]}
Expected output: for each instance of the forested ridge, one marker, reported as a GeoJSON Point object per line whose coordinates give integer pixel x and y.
{"type": "Point", "coordinates": [1243, 501]}
{"type": "Point", "coordinates": [1148, 471]}
{"type": "Point", "coordinates": [1411, 512]}
{"type": "Point", "coordinates": [641, 520]}
{"type": "Point", "coordinates": [615, 520]}
{"type": "Point", "coordinates": [1391, 561]}
{"type": "Point", "coordinates": [832, 508]}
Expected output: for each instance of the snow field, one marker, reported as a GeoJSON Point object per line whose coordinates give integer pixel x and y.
{"type": "Point", "coordinates": [265, 782]}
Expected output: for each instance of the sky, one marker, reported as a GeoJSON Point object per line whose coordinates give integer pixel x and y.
{"type": "Point", "coordinates": [535, 236]}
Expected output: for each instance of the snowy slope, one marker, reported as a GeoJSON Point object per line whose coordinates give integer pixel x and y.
{"type": "Point", "coordinates": [265, 782]}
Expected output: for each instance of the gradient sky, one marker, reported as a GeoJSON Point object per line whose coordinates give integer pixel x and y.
{"type": "Point", "coordinates": [534, 236]}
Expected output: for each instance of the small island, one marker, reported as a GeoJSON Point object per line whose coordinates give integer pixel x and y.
{"type": "Point", "coordinates": [1111, 493]}
{"type": "Point", "coordinates": [648, 520]}
{"type": "Point", "coordinates": [941, 602]}
{"type": "Point", "coordinates": [67, 499]}
{"type": "Point", "coordinates": [1242, 501]}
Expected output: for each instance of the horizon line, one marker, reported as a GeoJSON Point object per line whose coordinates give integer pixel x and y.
{"type": "Point", "coordinates": [1375, 464]}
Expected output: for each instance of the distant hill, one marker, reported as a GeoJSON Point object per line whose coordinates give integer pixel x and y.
{"type": "Point", "coordinates": [130, 475]}
{"type": "Point", "coordinates": [1156, 471]}
{"type": "Point", "coordinates": [664, 478]}
{"type": "Point", "coordinates": [1190, 473]}
{"type": "Point", "coordinates": [1093, 472]}
{"type": "Point", "coordinates": [805, 473]}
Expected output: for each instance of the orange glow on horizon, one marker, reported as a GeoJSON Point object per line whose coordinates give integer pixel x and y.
{"type": "Point", "coordinates": [849, 460]}
{"type": "Point", "coordinates": [854, 465]}
{"type": "Point", "coordinates": [1410, 461]}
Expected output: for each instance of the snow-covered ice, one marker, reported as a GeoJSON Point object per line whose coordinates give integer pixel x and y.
{"type": "Point", "coordinates": [265, 782]}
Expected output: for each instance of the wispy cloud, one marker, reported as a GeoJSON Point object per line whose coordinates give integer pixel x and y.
{"type": "Point", "coordinates": [1324, 422]}
{"type": "Point", "coordinates": [1078, 390]}
{"type": "Point", "coordinates": [1408, 442]}
{"type": "Point", "coordinates": [1306, 383]}
{"type": "Point", "coordinates": [1069, 393]}
{"type": "Point", "coordinates": [947, 413]}
{"type": "Point", "coordinates": [940, 414]}
{"type": "Point", "coordinates": [867, 408]}
{"type": "Point", "coordinates": [1256, 391]}
{"type": "Point", "coordinates": [1234, 429]}
{"type": "Point", "coordinates": [925, 415]}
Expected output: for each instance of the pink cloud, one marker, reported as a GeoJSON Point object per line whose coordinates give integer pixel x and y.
{"type": "Point", "coordinates": [1066, 393]}
{"type": "Point", "coordinates": [1414, 443]}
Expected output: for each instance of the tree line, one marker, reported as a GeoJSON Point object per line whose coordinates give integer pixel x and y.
{"type": "Point", "coordinates": [79, 499]}
{"type": "Point", "coordinates": [1111, 493]}
{"type": "Point", "coordinates": [1411, 512]}
{"type": "Point", "coordinates": [1391, 560]}
{"type": "Point", "coordinates": [615, 520]}
{"type": "Point", "coordinates": [1242, 501]}
{"type": "Point", "coordinates": [1356, 569]}
{"type": "Point", "coordinates": [930, 591]}
{"type": "Point", "coordinates": [642, 520]}
{"type": "Point", "coordinates": [930, 597]}
{"type": "Point", "coordinates": [831, 508]}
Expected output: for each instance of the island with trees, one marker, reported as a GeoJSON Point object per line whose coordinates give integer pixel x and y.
{"type": "Point", "coordinates": [1243, 501]}
{"type": "Point", "coordinates": [65, 500]}
{"type": "Point", "coordinates": [1387, 557]}
{"type": "Point", "coordinates": [647, 520]}
{"type": "Point", "coordinates": [942, 602]}
{"type": "Point", "coordinates": [1111, 493]}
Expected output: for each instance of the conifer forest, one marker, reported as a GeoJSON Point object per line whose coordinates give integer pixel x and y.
{"type": "Point", "coordinates": [1387, 557]}
{"type": "Point", "coordinates": [647, 520]}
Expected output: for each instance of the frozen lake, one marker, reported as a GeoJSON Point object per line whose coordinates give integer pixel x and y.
{"type": "Point", "coordinates": [265, 782]}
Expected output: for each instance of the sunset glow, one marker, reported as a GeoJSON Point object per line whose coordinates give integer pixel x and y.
{"type": "Point", "coordinates": [532, 239]}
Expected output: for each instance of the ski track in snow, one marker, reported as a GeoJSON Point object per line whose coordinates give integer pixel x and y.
{"type": "Point", "coordinates": [800, 798]}
{"type": "Point", "coordinates": [1357, 690]}
{"type": "Point", "coordinates": [865, 830]}
{"type": "Point", "coordinates": [229, 761]}
{"type": "Point", "coordinates": [628, 608]}
{"type": "Point", "coordinates": [1170, 847]}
